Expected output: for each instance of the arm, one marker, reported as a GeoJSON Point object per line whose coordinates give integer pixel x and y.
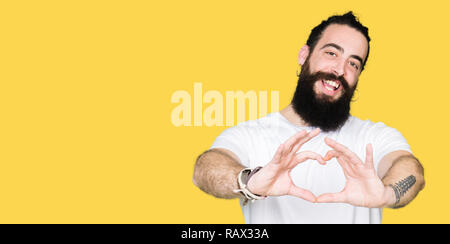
{"type": "Point", "coordinates": [404, 175]}
{"type": "Point", "coordinates": [401, 172]}
{"type": "Point", "coordinates": [216, 172]}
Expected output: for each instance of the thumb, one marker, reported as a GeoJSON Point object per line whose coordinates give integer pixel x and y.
{"type": "Point", "coordinates": [301, 193]}
{"type": "Point", "coordinates": [331, 198]}
{"type": "Point", "coordinates": [369, 156]}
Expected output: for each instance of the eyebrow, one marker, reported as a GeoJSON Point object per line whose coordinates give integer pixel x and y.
{"type": "Point", "coordinates": [339, 48]}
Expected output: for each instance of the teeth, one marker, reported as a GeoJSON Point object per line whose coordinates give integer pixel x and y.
{"type": "Point", "coordinates": [332, 83]}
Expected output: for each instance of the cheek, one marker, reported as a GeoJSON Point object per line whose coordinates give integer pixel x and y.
{"type": "Point", "coordinates": [316, 63]}
{"type": "Point", "coordinates": [320, 66]}
{"type": "Point", "coordinates": [354, 83]}
{"type": "Point", "coordinates": [351, 78]}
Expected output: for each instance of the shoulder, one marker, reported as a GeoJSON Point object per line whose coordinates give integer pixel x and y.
{"type": "Point", "coordinates": [358, 125]}
{"type": "Point", "coordinates": [384, 139]}
{"type": "Point", "coordinates": [365, 131]}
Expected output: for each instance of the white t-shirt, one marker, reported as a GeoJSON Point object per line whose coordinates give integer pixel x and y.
{"type": "Point", "coordinates": [255, 143]}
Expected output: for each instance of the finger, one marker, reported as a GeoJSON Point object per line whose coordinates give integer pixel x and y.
{"type": "Point", "coordinates": [331, 154]}
{"type": "Point", "coordinates": [305, 139]}
{"type": "Point", "coordinates": [346, 166]}
{"type": "Point", "coordinates": [369, 156]}
{"type": "Point", "coordinates": [305, 155]}
{"type": "Point", "coordinates": [295, 146]}
{"type": "Point", "coordinates": [277, 157]}
{"type": "Point", "coordinates": [344, 162]}
{"type": "Point", "coordinates": [341, 158]}
{"type": "Point", "coordinates": [331, 198]}
{"type": "Point", "coordinates": [343, 149]}
{"type": "Point", "coordinates": [291, 142]}
{"type": "Point", "coordinates": [301, 193]}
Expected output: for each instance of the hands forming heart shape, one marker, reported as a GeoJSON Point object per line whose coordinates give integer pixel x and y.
{"type": "Point", "coordinates": [363, 186]}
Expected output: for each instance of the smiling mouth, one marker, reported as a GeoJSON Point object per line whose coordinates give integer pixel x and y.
{"type": "Point", "coordinates": [331, 85]}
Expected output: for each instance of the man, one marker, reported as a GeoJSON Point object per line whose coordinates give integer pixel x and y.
{"type": "Point", "coordinates": [313, 162]}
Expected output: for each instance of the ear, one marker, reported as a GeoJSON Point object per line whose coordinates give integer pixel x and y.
{"type": "Point", "coordinates": [303, 54]}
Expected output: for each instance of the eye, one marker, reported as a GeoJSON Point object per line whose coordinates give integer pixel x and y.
{"type": "Point", "coordinates": [354, 65]}
{"type": "Point", "coordinates": [331, 53]}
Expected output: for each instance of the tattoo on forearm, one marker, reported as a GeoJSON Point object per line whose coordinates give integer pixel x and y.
{"type": "Point", "coordinates": [401, 187]}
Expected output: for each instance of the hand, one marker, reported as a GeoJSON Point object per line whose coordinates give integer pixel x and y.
{"type": "Point", "coordinates": [363, 187]}
{"type": "Point", "coordinates": [274, 179]}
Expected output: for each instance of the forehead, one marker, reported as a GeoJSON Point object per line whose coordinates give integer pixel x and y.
{"type": "Point", "coordinates": [351, 40]}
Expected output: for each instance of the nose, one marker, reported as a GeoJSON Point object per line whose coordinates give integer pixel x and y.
{"type": "Point", "coordinates": [338, 68]}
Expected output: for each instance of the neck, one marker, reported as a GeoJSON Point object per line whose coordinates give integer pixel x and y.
{"type": "Point", "coordinates": [292, 116]}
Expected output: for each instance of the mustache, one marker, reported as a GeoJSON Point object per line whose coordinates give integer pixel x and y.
{"type": "Point", "coordinates": [328, 76]}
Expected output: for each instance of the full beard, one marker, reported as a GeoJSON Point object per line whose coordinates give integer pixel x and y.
{"type": "Point", "coordinates": [319, 110]}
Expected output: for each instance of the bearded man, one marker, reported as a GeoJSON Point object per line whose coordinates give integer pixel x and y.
{"type": "Point", "coordinates": [313, 162]}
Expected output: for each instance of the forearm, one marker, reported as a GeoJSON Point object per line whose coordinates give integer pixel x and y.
{"type": "Point", "coordinates": [403, 181]}
{"type": "Point", "coordinates": [216, 172]}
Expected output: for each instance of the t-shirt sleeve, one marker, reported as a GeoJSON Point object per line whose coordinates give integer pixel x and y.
{"type": "Point", "coordinates": [234, 139]}
{"type": "Point", "coordinates": [386, 140]}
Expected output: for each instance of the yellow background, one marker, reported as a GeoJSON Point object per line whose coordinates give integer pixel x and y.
{"type": "Point", "coordinates": [85, 88]}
